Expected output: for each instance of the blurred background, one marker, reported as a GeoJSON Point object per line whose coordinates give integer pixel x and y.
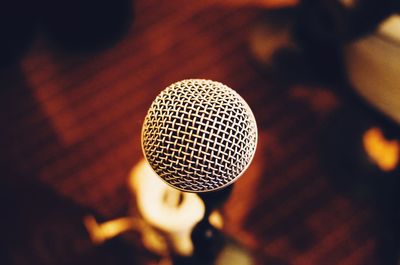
{"type": "Point", "coordinates": [322, 78]}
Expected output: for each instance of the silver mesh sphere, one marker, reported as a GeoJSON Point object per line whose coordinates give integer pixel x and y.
{"type": "Point", "coordinates": [199, 135]}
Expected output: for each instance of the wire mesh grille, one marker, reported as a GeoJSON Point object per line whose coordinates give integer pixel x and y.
{"type": "Point", "coordinates": [199, 135]}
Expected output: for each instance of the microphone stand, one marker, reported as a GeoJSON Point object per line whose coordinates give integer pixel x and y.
{"type": "Point", "coordinates": [166, 229]}
{"type": "Point", "coordinates": [207, 240]}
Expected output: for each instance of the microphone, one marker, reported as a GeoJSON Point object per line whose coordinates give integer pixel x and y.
{"type": "Point", "coordinates": [199, 135]}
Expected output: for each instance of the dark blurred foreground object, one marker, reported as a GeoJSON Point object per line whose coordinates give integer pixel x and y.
{"type": "Point", "coordinates": [361, 151]}
{"type": "Point", "coordinates": [359, 45]}
{"type": "Point", "coordinates": [38, 227]}
{"type": "Point", "coordinates": [86, 25]}
{"type": "Point", "coordinates": [323, 26]}
{"type": "Point", "coordinates": [324, 30]}
{"type": "Point", "coordinates": [304, 43]}
{"type": "Point", "coordinates": [17, 27]}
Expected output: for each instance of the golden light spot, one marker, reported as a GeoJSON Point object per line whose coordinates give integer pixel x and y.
{"type": "Point", "coordinates": [383, 152]}
{"type": "Point", "coordinates": [107, 230]}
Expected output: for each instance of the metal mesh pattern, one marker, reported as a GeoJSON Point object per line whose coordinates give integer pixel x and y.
{"type": "Point", "coordinates": [199, 135]}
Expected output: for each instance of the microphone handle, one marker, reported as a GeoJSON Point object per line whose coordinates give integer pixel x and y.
{"type": "Point", "coordinates": [207, 240]}
{"type": "Point", "coordinates": [215, 199]}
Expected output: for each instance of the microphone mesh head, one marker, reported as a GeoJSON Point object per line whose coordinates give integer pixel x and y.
{"type": "Point", "coordinates": [199, 135]}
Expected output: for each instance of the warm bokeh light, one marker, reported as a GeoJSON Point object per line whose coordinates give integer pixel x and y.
{"type": "Point", "coordinates": [170, 212]}
{"type": "Point", "coordinates": [102, 232]}
{"type": "Point", "coordinates": [383, 152]}
{"type": "Point", "coordinates": [151, 239]}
